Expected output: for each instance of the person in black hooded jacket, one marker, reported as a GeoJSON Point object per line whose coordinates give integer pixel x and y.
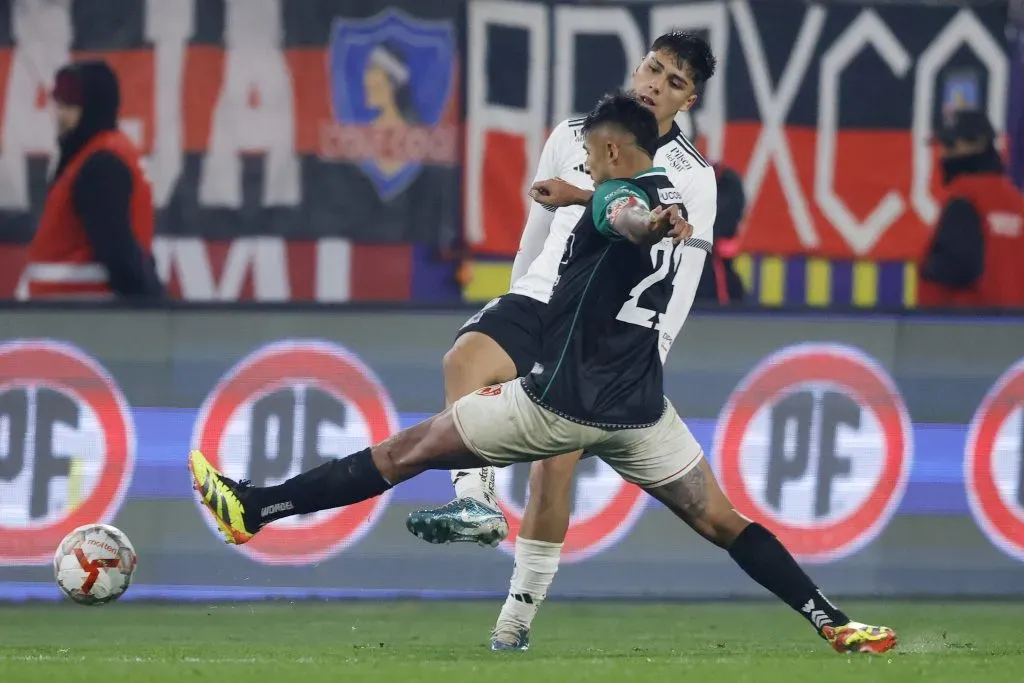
{"type": "Point", "coordinates": [719, 281]}
{"type": "Point", "coordinates": [95, 234]}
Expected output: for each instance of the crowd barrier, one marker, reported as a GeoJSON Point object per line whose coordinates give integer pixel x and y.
{"type": "Point", "coordinates": [886, 452]}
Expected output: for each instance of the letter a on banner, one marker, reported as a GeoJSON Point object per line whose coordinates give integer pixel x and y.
{"type": "Point", "coordinates": [42, 35]}
{"type": "Point", "coordinates": [255, 110]}
{"type": "Point", "coordinates": [169, 25]}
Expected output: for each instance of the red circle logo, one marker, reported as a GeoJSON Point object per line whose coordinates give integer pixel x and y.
{"type": "Point", "coordinates": [283, 410]}
{"type": "Point", "coordinates": [605, 509]}
{"type": "Point", "coordinates": [68, 447]}
{"type": "Point", "coordinates": [994, 462]}
{"type": "Point", "coordinates": [816, 443]}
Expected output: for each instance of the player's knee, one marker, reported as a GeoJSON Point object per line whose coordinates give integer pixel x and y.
{"type": "Point", "coordinates": [456, 363]}
{"type": "Point", "coordinates": [465, 370]}
{"type": "Point", "coordinates": [432, 444]}
{"type": "Point", "coordinates": [388, 456]}
{"type": "Point", "coordinates": [473, 362]}
{"type": "Point", "coordinates": [407, 453]}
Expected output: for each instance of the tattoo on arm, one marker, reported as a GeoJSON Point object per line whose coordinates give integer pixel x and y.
{"type": "Point", "coordinates": [633, 223]}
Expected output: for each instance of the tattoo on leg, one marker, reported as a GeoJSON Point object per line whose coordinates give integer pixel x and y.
{"type": "Point", "coordinates": [692, 492]}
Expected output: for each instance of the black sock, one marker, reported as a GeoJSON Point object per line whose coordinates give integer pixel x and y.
{"type": "Point", "coordinates": [766, 560]}
{"type": "Point", "coordinates": [336, 483]}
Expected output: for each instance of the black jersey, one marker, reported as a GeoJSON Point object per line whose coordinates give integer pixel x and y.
{"type": "Point", "coordinates": [600, 363]}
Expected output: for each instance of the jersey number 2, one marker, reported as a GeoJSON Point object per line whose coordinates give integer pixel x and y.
{"type": "Point", "coordinates": [663, 254]}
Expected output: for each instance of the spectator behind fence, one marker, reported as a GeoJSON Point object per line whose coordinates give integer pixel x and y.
{"type": "Point", "coordinates": [719, 281]}
{"type": "Point", "coordinates": [976, 257]}
{"type": "Point", "coordinates": [95, 236]}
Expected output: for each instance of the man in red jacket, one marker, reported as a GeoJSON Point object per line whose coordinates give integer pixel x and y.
{"type": "Point", "coordinates": [976, 257]}
{"type": "Point", "coordinates": [95, 234]}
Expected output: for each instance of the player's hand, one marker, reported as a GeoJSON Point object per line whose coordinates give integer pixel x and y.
{"type": "Point", "coordinates": [681, 229]}
{"type": "Point", "coordinates": [670, 223]}
{"type": "Point", "coordinates": [557, 192]}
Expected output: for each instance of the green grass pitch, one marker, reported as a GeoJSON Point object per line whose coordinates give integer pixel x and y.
{"type": "Point", "coordinates": [446, 642]}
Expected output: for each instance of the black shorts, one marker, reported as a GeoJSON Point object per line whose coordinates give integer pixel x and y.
{"type": "Point", "coordinates": [516, 323]}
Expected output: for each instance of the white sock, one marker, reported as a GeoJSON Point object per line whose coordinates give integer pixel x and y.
{"type": "Point", "coordinates": [476, 484]}
{"type": "Point", "coordinates": [535, 568]}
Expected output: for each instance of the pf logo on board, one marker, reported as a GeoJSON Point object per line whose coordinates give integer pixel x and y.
{"type": "Point", "coordinates": [994, 463]}
{"type": "Point", "coordinates": [285, 409]}
{"type": "Point", "coordinates": [67, 447]}
{"type": "Point", "coordinates": [816, 443]}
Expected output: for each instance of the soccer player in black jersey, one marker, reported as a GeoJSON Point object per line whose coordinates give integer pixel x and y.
{"type": "Point", "coordinates": [598, 387]}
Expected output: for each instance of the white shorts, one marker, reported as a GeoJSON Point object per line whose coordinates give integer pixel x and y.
{"type": "Point", "coordinates": [502, 425]}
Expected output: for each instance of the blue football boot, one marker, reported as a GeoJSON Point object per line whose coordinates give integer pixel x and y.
{"type": "Point", "coordinates": [463, 520]}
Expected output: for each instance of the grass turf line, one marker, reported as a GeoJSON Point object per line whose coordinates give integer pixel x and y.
{"type": "Point", "coordinates": [447, 642]}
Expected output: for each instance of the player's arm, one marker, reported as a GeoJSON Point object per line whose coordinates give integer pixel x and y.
{"type": "Point", "coordinates": [555, 192]}
{"type": "Point", "coordinates": [548, 187]}
{"type": "Point", "coordinates": [538, 221]}
{"type": "Point", "coordinates": [700, 196]}
{"type": "Point", "coordinates": [531, 243]}
{"type": "Point", "coordinates": [622, 211]}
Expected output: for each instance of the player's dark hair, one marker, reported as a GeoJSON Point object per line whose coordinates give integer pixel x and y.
{"type": "Point", "coordinates": [623, 110]}
{"type": "Point", "coordinates": [690, 50]}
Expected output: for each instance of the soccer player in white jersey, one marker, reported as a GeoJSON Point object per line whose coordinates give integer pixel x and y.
{"type": "Point", "coordinates": [501, 341]}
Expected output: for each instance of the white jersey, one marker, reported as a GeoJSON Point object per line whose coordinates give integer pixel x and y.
{"type": "Point", "coordinates": [563, 157]}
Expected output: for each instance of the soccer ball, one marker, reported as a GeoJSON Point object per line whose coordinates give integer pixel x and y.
{"type": "Point", "coordinates": [94, 564]}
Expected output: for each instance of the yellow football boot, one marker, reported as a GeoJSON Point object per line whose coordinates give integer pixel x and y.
{"type": "Point", "coordinates": [223, 497]}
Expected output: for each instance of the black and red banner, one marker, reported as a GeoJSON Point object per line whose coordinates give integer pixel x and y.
{"type": "Point", "coordinates": [326, 149]}
{"type": "Point", "coordinates": [826, 110]}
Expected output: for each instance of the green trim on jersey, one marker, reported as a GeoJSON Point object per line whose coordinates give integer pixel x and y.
{"type": "Point", "coordinates": [606, 195]}
{"type": "Point", "coordinates": [575, 319]}
{"type": "Point", "coordinates": [654, 170]}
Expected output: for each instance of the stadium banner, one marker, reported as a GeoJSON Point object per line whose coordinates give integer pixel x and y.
{"type": "Point", "coordinates": [886, 457]}
{"type": "Point", "coordinates": [826, 110]}
{"type": "Point", "coordinates": [297, 150]}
